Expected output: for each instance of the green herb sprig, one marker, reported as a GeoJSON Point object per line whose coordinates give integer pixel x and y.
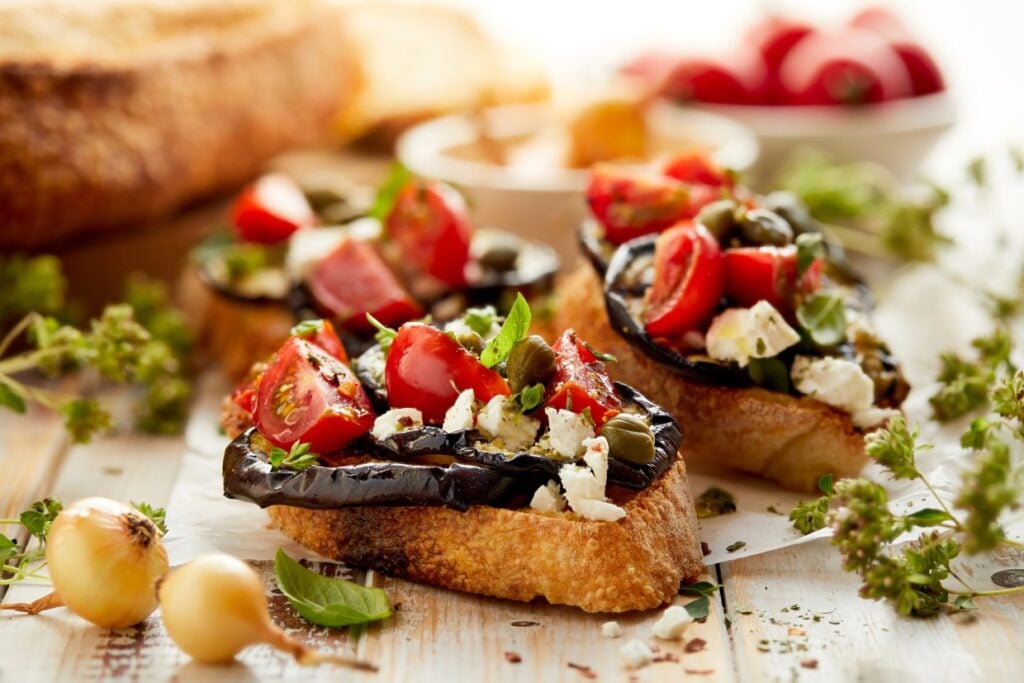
{"type": "Point", "coordinates": [298, 458]}
{"type": "Point", "coordinates": [325, 601]}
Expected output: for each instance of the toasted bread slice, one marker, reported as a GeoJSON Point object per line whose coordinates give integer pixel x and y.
{"type": "Point", "coordinates": [633, 564]}
{"type": "Point", "coordinates": [787, 439]}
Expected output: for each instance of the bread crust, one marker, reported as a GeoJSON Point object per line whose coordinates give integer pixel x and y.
{"type": "Point", "coordinates": [634, 564]}
{"type": "Point", "coordinates": [790, 440]}
{"type": "Point", "coordinates": [92, 144]}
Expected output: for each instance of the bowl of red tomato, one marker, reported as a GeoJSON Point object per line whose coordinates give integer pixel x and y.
{"type": "Point", "coordinates": [863, 90]}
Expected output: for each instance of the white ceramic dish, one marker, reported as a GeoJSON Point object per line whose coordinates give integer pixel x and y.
{"type": "Point", "coordinates": [545, 202]}
{"type": "Point", "coordinates": [897, 134]}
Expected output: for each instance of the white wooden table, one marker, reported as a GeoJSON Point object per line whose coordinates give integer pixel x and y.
{"type": "Point", "coordinates": [787, 615]}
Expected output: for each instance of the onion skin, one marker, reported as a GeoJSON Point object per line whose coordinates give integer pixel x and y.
{"type": "Point", "coordinates": [105, 559]}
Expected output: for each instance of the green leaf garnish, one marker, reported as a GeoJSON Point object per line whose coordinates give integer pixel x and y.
{"type": "Point", "coordinates": [699, 609]}
{"type": "Point", "coordinates": [823, 316]}
{"type": "Point", "coordinates": [769, 372]}
{"type": "Point", "coordinates": [480, 320]}
{"type": "Point", "coordinates": [38, 518]}
{"type": "Point", "coordinates": [398, 176]}
{"type": "Point", "coordinates": [11, 400]}
{"type": "Point", "coordinates": [928, 517]}
{"type": "Point", "coordinates": [810, 516]}
{"type": "Point", "coordinates": [307, 328]}
{"type": "Point", "coordinates": [385, 335]}
{"type": "Point", "coordinates": [733, 547]}
{"type": "Point", "coordinates": [515, 327]}
{"type": "Point", "coordinates": [606, 357]}
{"type": "Point", "coordinates": [809, 246]}
{"type": "Point", "coordinates": [699, 588]}
{"type": "Point", "coordinates": [713, 502]}
{"type": "Point", "coordinates": [325, 601]}
{"type": "Point", "coordinates": [530, 398]}
{"type": "Point", "coordinates": [298, 458]}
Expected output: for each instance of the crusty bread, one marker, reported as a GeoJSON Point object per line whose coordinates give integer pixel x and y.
{"type": "Point", "coordinates": [633, 564]}
{"type": "Point", "coordinates": [116, 111]}
{"type": "Point", "coordinates": [233, 333]}
{"type": "Point", "coordinates": [787, 439]}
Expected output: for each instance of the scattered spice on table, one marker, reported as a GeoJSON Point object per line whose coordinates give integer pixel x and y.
{"type": "Point", "coordinates": [584, 670]}
{"type": "Point", "coordinates": [513, 657]}
{"type": "Point", "coordinates": [695, 645]}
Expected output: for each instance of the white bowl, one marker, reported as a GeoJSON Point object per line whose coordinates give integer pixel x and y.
{"type": "Point", "coordinates": [897, 134]}
{"type": "Point", "coordinates": [545, 203]}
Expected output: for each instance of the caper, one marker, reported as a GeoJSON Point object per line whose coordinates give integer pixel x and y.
{"type": "Point", "coordinates": [531, 361]}
{"type": "Point", "coordinates": [719, 218]}
{"type": "Point", "coordinates": [761, 226]}
{"type": "Point", "coordinates": [500, 252]}
{"type": "Point", "coordinates": [792, 210]}
{"type": "Point", "coordinates": [471, 341]}
{"type": "Point", "coordinates": [629, 439]}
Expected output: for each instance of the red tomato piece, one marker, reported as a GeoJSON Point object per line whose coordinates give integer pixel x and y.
{"type": "Point", "coordinates": [352, 281]}
{"type": "Point", "coordinates": [849, 67]}
{"type": "Point", "coordinates": [581, 381]}
{"type": "Point", "coordinates": [773, 37]}
{"type": "Point", "coordinates": [427, 369]}
{"type": "Point", "coordinates": [308, 395]}
{"type": "Point", "coordinates": [631, 203]}
{"type": "Point", "coordinates": [697, 169]}
{"type": "Point", "coordinates": [322, 333]}
{"type": "Point", "coordinates": [244, 395]}
{"type": "Point", "coordinates": [270, 210]}
{"type": "Point", "coordinates": [689, 279]}
{"type": "Point", "coordinates": [430, 224]}
{"type": "Point", "coordinates": [768, 274]}
{"type": "Point", "coordinates": [740, 80]}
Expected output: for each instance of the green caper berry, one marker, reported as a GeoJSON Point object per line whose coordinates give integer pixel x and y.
{"type": "Point", "coordinates": [761, 226]}
{"type": "Point", "coordinates": [629, 439]}
{"type": "Point", "coordinates": [500, 252]}
{"type": "Point", "coordinates": [530, 361]}
{"type": "Point", "coordinates": [719, 218]}
{"type": "Point", "coordinates": [472, 342]}
{"type": "Point", "coordinates": [792, 210]}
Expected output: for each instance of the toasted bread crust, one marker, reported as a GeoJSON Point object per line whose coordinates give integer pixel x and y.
{"type": "Point", "coordinates": [90, 142]}
{"type": "Point", "coordinates": [636, 563]}
{"type": "Point", "coordinates": [787, 439]}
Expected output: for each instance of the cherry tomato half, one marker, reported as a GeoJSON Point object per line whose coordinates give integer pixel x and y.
{"type": "Point", "coordinates": [270, 210]}
{"type": "Point", "coordinates": [308, 395]}
{"type": "Point", "coordinates": [352, 281]}
{"type": "Point", "coordinates": [773, 37]}
{"type": "Point", "coordinates": [581, 381]}
{"type": "Point", "coordinates": [244, 395]}
{"type": "Point", "coordinates": [430, 225]}
{"type": "Point", "coordinates": [631, 203]}
{"type": "Point", "coordinates": [755, 274]}
{"type": "Point", "coordinates": [427, 369]}
{"type": "Point", "coordinates": [697, 169]}
{"type": "Point", "coordinates": [322, 333]}
{"type": "Point", "coordinates": [689, 278]}
{"type": "Point", "coordinates": [848, 67]}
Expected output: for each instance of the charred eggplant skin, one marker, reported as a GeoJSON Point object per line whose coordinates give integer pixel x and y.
{"type": "Point", "coordinates": [429, 440]}
{"type": "Point", "coordinates": [248, 476]}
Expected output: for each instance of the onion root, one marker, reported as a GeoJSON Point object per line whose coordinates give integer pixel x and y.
{"type": "Point", "coordinates": [44, 603]}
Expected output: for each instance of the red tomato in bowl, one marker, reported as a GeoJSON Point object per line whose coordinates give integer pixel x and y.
{"type": "Point", "coordinates": [308, 395]}
{"type": "Point", "coordinates": [270, 210]}
{"type": "Point", "coordinates": [632, 203]}
{"type": "Point", "coordinates": [650, 68]}
{"type": "Point", "coordinates": [698, 169]}
{"type": "Point", "coordinates": [426, 369]}
{"type": "Point", "coordinates": [430, 224]}
{"type": "Point", "coordinates": [689, 279]}
{"type": "Point", "coordinates": [755, 274]}
{"type": "Point", "coordinates": [848, 67]}
{"type": "Point", "coordinates": [773, 37]}
{"type": "Point", "coordinates": [581, 381]}
{"type": "Point", "coordinates": [880, 20]}
{"type": "Point", "coordinates": [739, 79]}
{"type": "Point", "coordinates": [352, 281]}
{"type": "Point", "coordinates": [925, 75]}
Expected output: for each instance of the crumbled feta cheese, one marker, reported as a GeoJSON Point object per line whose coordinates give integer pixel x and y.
{"type": "Point", "coordinates": [585, 486]}
{"type": "Point", "coordinates": [567, 431]}
{"type": "Point", "coordinates": [502, 422]}
{"type": "Point", "coordinates": [611, 629]}
{"type": "Point", "coordinates": [365, 228]}
{"type": "Point", "coordinates": [873, 417]}
{"type": "Point", "coordinates": [636, 654]}
{"type": "Point", "coordinates": [460, 415]}
{"type": "Point", "coordinates": [395, 421]}
{"type": "Point", "coordinates": [672, 624]}
{"type": "Point", "coordinates": [836, 381]}
{"type": "Point", "coordinates": [740, 334]}
{"type": "Point", "coordinates": [308, 246]}
{"type": "Point", "coordinates": [548, 498]}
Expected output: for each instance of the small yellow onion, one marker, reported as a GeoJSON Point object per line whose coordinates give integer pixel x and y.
{"type": "Point", "coordinates": [214, 607]}
{"type": "Point", "coordinates": [105, 560]}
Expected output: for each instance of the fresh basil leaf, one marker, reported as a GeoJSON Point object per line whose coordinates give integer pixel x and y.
{"type": "Point", "coordinates": [825, 484]}
{"type": "Point", "coordinates": [326, 601]}
{"type": "Point", "coordinates": [385, 335]}
{"type": "Point", "coordinates": [480, 320]}
{"type": "Point", "coordinates": [156, 515]}
{"type": "Point", "coordinates": [699, 609]}
{"type": "Point", "coordinates": [9, 399]}
{"type": "Point", "coordinates": [809, 246]}
{"type": "Point", "coordinates": [38, 518]}
{"type": "Point", "coordinates": [928, 517]}
{"type": "Point", "coordinates": [714, 502]}
{"type": "Point", "coordinates": [823, 316]}
{"type": "Point", "coordinates": [769, 372]}
{"type": "Point", "coordinates": [699, 588]}
{"type": "Point", "coordinates": [388, 191]}
{"type": "Point", "coordinates": [515, 327]}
